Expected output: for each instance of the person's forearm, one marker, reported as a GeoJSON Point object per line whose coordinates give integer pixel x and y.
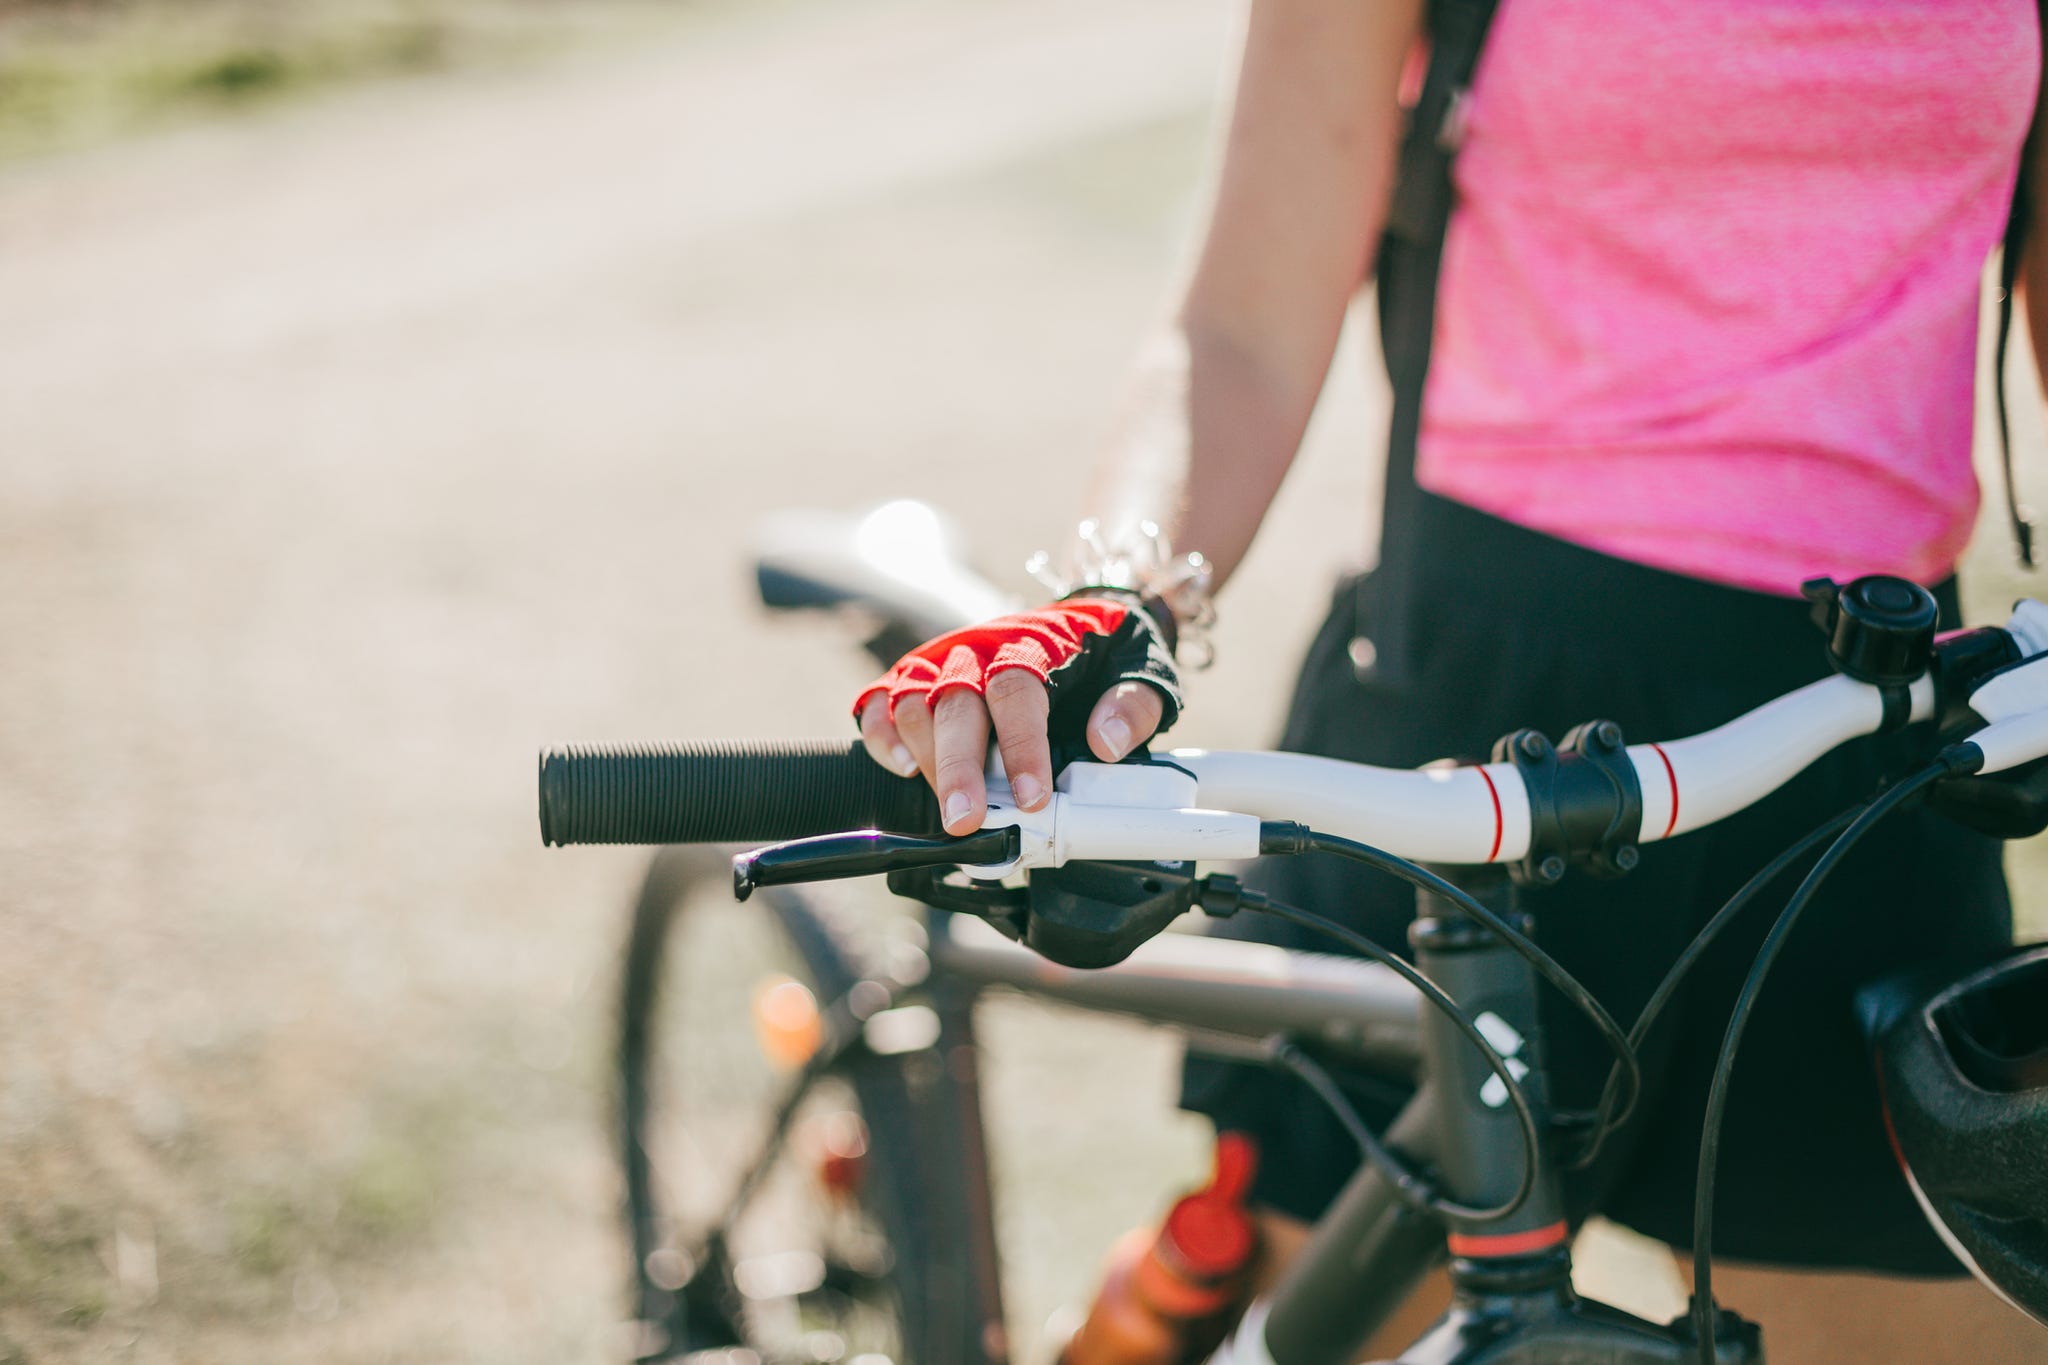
{"type": "Point", "coordinates": [1221, 397]}
{"type": "Point", "coordinates": [1219, 402]}
{"type": "Point", "coordinates": [1206, 435]}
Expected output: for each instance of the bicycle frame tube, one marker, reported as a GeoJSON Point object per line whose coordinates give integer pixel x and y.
{"type": "Point", "coordinates": [1511, 1276]}
{"type": "Point", "coordinates": [1367, 1254]}
{"type": "Point", "coordinates": [1232, 995]}
{"type": "Point", "coordinates": [1370, 1249]}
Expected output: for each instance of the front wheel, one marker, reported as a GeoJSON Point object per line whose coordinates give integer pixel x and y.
{"type": "Point", "coordinates": [785, 1119]}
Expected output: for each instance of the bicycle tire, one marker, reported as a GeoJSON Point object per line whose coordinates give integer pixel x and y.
{"type": "Point", "coordinates": [916, 1198]}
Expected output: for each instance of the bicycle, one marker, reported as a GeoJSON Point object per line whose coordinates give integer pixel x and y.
{"type": "Point", "coordinates": [896, 1261]}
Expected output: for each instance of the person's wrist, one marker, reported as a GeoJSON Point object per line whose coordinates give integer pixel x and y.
{"type": "Point", "coordinates": [1173, 588]}
{"type": "Point", "coordinates": [1162, 615]}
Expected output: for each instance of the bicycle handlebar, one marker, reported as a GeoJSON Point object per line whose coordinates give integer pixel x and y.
{"type": "Point", "coordinates": [756, 792]}
{"type": "Point", "coordinates": [724, 792]}
{"type": "Point", "coordinates": [1480, 813]}
{"type": "Point", "coordinates": [1198, 804]}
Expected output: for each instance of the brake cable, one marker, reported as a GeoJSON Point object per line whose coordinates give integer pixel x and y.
{"type": "Point", "coordinates": [1274, 836]}
{"type": "Point", "coordinates": [1411, 1188]}
{"type": "Point", "coordinates": [1703, 1310]}
{"type": "Point", "coordinates": [1604, 1124]}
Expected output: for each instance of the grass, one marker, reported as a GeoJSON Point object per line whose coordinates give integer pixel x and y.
{"type": "Point", "coordinates": [239, 1229]}
{"type": "Point", "coordinates": [78, 72]}
{"type": "Point", "coordinates": [376, 1199]}
{"type": "Point", "coordinates": [50, 1254]}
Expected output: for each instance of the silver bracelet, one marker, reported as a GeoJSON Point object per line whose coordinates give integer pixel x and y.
{"type": "Point", "coordinates": [1141, 561]}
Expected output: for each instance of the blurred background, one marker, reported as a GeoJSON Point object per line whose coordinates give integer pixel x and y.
{"type": "Point", "coordinates": [388, 388]}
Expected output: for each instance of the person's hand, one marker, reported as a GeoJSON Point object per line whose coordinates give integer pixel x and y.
{"type": "Point", "coordinates": [1094, 671]}
{"type": "Point", "coordinates": [948, 741]}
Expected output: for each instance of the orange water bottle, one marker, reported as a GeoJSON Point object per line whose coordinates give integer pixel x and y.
{"type": "Point", "coordinates": [1167, 1295]}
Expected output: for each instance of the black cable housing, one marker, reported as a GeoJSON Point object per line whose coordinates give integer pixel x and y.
{"type": "Point", "coordinates": [1409, 1187]}
{"type": "Point", "coordinates": [1703, 1308]}
{"type": "Point", "coordinates": [1604, 1125]}
{"type": "Point", "coordinates": [1546, 966]}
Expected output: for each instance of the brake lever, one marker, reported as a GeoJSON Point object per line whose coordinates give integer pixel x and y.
{"type": "Point", "coordinates": [2010, 804]}
{"type": "Point", "coordinates": [864, 853]}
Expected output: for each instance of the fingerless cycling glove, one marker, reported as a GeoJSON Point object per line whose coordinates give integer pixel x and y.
{"type": "Point", "coordinates": [1079, 647]}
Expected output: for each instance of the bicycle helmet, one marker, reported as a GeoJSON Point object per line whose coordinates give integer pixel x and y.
{"type": "Point", "coordinates": [1963, 1070]}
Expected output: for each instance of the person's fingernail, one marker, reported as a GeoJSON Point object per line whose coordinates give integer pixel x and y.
{"type": "Point", "coordinates": [1116, 734]}
{"type": "Point", "coordinates": [901, 758]}
{"type": "Point", "coordinates": [957, 806]}
{"type": "Point", "coordinates": [1026, 789]}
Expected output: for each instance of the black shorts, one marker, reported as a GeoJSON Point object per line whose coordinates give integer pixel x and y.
{"type": "Point", "coordinates": [1509, 629]}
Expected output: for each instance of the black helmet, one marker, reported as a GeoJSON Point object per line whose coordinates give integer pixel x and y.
{"type": "Point", "coordinates": [1962, 1063]}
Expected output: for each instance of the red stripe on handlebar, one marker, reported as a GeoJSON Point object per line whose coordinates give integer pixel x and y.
{"type": "Point", "coordinates": [1499, 822]}
{"type": "Point", "coordinates": [1672, 777]}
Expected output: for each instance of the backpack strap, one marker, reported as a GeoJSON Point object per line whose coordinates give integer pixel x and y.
{"type": "Point", "coordinates": [2017, 221]}
{"type": "Point", "coordinates": [1411, 251]}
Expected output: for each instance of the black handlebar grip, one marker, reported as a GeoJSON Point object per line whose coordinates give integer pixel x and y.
{"type": "Point", "coordinates": [724, 792]}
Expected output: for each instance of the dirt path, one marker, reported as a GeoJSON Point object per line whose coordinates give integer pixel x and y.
{"type": "Point", "coordinates": [353, 453]}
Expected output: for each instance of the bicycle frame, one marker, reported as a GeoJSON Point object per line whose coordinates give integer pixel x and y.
{"type": "Point", "coordinates": [1513, 1300]}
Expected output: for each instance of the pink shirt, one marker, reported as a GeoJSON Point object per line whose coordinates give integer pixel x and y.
{"type": "Point", "coordinates": [1709, 299]}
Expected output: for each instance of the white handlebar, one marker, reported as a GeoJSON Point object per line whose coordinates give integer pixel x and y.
{"type": "Point", "coordinates": [1690, 783]}
{"type": "Point", "coordinates": [1211, 807]}
{"type": "Point", "coordinates": [1480, 814]}
{"type": "Point", "coordinates": [1474, 814]}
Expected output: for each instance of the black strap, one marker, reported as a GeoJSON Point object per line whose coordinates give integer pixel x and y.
{"type": "Point", "coordinates": [1411, 251]}
{"type": "Point", "coordinates": [2016, 224]}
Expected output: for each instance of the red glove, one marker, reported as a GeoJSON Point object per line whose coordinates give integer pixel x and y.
{"type": "Point", "coordinates": [1079, 648]}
